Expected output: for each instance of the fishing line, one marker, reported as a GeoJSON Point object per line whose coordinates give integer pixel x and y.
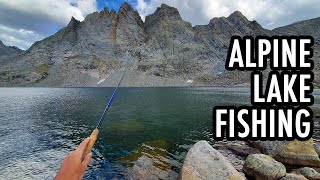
{"type": "Point", "coordinates": [95, 132]}
{"type": "Point", "coordinates": [111, 99]}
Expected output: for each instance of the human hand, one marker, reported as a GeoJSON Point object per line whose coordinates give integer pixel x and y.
{"type": "Point", "coordinates": [73, 166]}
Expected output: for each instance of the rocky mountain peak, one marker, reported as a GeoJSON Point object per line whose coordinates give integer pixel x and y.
{"type": "Point", "coordinates": [104, 13]}
{"type": "Point", "coordinates": [165, 16]}
{"type": "Point", "coordinates": [9, 51]}
{"type": "Point", "coordinates": [164, 6]}
{"type": "Point", "coordinates": [106, 9]}
{"type": "Point", "coordinates": [113, 12]}
{"type": "Point", "coordinates": [125, 7]}
{"type": "Point", "coordinates": [73, 22]}
{"type": "Point", "coordinates": [237, 16]}
{"type": "Point", "coordinates": [166, 11]}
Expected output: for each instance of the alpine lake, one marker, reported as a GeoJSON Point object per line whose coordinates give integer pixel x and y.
{"type": "Point", "coordinates": [40, 126]}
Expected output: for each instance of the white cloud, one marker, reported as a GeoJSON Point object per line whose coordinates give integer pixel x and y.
{"type": "Point", "coordinates": [22, 38]}
{"type": "Point", "coordinates": [141, 7]}
{"type": "Point", "coordinates": [22, 22]}
{"type": "Point", "coordinates": [59, 11]}
{"type": "Point", "coordinates": [269, 13]}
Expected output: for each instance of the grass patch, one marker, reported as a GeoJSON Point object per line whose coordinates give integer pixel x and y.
{"type": "Point", "coordinates": [42, 69]}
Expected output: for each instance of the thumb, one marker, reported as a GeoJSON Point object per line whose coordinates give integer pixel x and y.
{"type": "Point", "coordinates": [82, 146]}
{"type": "Point", "coordinates": [86, 161]}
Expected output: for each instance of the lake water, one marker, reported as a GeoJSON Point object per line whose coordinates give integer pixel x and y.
{"type": "Point", "coordinates": [40, 126]}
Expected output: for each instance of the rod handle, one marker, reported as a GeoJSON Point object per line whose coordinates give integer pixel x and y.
{"type": "Point", "coordinates": [93, 138]}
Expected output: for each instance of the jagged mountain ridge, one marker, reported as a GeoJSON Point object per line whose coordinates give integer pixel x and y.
{"type": "Point", "coordinates": [309, 27]}
{"type": "Point", "coordinates": [164, 50]}
{"type": "Point", "coordinates": [8, 55]}
{"type": "Point", "coordinates": [9, 50]}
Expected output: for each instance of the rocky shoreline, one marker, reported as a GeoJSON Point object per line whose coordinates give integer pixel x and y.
{"type": "Point", "coordinates": [285, 160]}
{"type": "Point", "coordinates": [254, 159]}
{"type": "Point", "coordinates": [249, 162]}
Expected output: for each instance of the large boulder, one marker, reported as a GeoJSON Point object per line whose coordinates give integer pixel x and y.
{"type": "Point", "coordinates": [301, 153]}
{"type": "Point", "coordinates": [204, 162]}
{"type": "Point", "coordinates": [263, 167]}
{"type": "Point", "coordinates": [308, 173]}
{"type": "Point", "coordinates": [292, 176]}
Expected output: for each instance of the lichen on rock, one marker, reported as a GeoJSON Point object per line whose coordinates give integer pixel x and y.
{"type": "Point", "coordinates": [295, 152]}
{"type": "Point", "coordinates": [263, 167]}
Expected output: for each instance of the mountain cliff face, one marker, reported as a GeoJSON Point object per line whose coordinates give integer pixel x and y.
{"type": "Point", "coordinates": [164, 50]}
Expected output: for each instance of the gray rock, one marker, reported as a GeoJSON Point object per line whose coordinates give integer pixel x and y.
{"type": "Point", "coordinates": [295, 152]}
{"type": "Point", "coordinates": [263, 167]}
{"type": "Point", "coordinates": [317, 148]}
{"type": "Point", "coordinates": [292, 176]}
{"type": "Point", "coordinates": [308, 173]}
{"type": "Point", "coordinates": [243, 150]}
{"type": "Point", "coordinates": [144, 169]}
{"type": "Point", "coordinates": [204, 162]}
{"type": "Point", "coordinates": [235, 151]}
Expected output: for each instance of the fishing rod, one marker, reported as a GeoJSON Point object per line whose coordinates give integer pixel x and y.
{"type": "Point", "coordinates": [95, 132]}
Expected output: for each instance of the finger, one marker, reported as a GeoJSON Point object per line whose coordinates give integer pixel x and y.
{"type": "Point", "coordinates": [82, 146]}
{"type": "Point", "coordinates": [86, 161]}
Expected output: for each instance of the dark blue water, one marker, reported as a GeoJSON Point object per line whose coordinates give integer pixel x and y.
{"type": "Point", "coordinates": [39, 126]}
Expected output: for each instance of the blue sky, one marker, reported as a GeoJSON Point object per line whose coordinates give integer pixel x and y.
{"type": "Point", "coordinates": [110, 4]}
{"type": "Point", "coordinates": [22, 22]}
